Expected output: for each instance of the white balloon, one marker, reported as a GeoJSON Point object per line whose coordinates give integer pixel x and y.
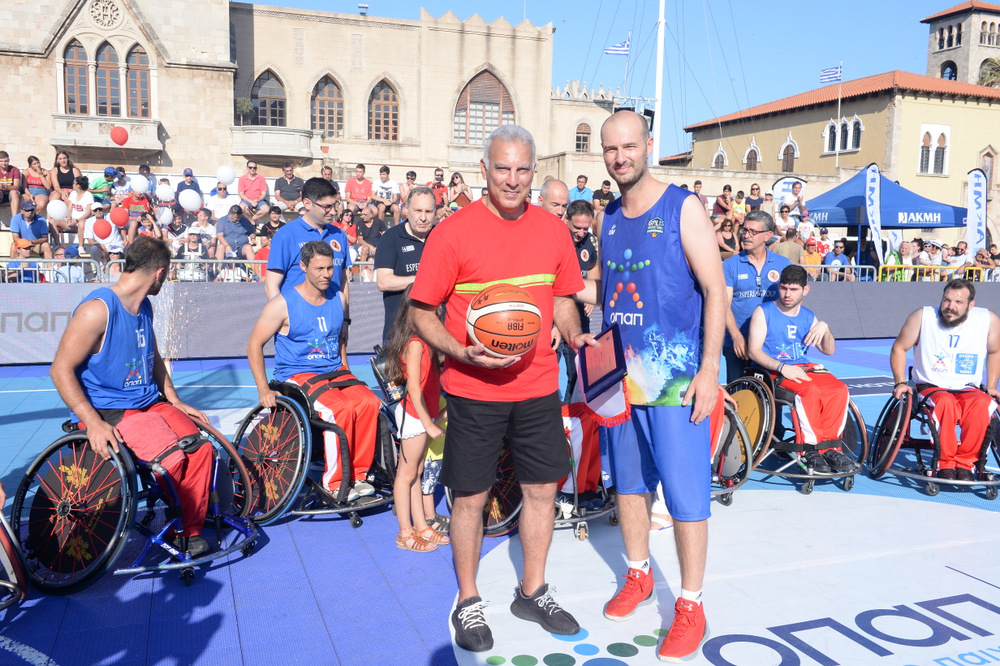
{"type": "Point", "coordinates": [57, 210]}
{"type": "Point", "coordinates": [166, 216]}
{"type": "Point", "coordinates": [164, 192]}
{"type": "Point", "coordinates": [140, 184]}
{"type": "Point", "coordinates": [189, 200]}
{"type": "Point", "coordinates": [282, 205]}
{"type": "Point", "coordinates": [225, 174]}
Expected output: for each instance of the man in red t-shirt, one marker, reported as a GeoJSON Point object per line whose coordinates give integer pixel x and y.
{"type": "Point", "coordinates": [252, 188]}
{"type": "Point", "coordinates": [11, 184]}
{"type": "Point", "coordinates": [439, 188]}
{"type": "Point", "coordinates": [481, 245]}
{"type": "Point", "coordinates": [358, 190]}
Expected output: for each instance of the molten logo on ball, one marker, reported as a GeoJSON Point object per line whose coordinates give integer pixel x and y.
{"type": "Point", "coordinates": [505, 319]}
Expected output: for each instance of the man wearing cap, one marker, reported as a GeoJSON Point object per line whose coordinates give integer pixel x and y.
{"type": "Point", "coordinates": [68, 272]}
{"type": "Point", "coordinates": [96, 247]}
{"type": "Point", "coordinates": [28, 226]}
{"type": "Point", "coordinates": [189, 183]}
{"type": "Point", "coordinates": [23, 270]}
{"type": "Point", "coordinates": [100, 187]}
{"type": "Point", "coordinates": [811, 257]}
{"type": "Point", "coordinates": [221, 202]}
{"type": "Point", "coordinates": [824, 245]}
{"type": "Point", "coordinates": [288, 188]}
{"type": "Point", "coordinates": [235, 234]}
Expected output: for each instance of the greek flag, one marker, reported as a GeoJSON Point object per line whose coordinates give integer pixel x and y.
{"type": "Point", "coordinates": [618, 49]}
{"type": "Point", "coordinates": [831, 75]}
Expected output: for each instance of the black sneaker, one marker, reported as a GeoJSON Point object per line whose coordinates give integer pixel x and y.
{"type": "Point", "coordinates": [839, 461]}
{"type": "Point", "coordinates": [196, 546]}
{"type": "Point", "coordinates": [471, 631]}
{"type": "Point", "coordinates": [543, 609]}
{"type": "Point", "coordinates": [963, 474]}
{"type": "Point", "coordinates": [816, 462]}
{"type": "Point", "coordinates": [946, 474]}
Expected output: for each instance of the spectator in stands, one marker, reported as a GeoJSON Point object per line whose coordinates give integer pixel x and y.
{"type": "Point", "coordinates": [358, 190]}
{"type": "Point", "coordinates": [901, 256]}
{"type": "Point", "coordinates": [162, 204]}
{"type": "Point", "coordinates": [984, 261]}
{"type": "Point", "coordinates": [252, 188]}
{"type": "Point", "coordinates": [192, 250]}
{"type": "Point", "coordinates": [825, 244]}
{"type": "Point", "coordinates": [958, 258]}
{"type": "Point", "coordinates": [22, 270]}
{"type": "Point", "coordinates": [121, 187]}
{"type": "Point", "coordinates": [350, 229]}
{"type": "Point", "coordinates": [404, 192]}
{"type": "Point", "coordinates": [726, 239]}
{"type": "Point", "coordinates": [697, 192]}
{"type": "Point", "coordinates": [795, 200]}
{"type": "Point", "coordinates": [553, 197]}
{"type": "Point", "coordinates": [458, 192]}
{"type": "Point", "coordinates": [11, 182]}
{"type": "Point", "coordinates": [931, 254]}
{"type": "Point", "coordinates": [204, 226]}
{"type": "Point", "coordinates": [994, 252]}
{"type": "Point", "coordinates": [116, 254]}
{"type": "Point", "coordinates": [326, 173]}
{"type": "Point", "coordinates": [788, 248]}
{"type": "Point", "coordinates": [784, 223]}
{"type": "Point", "coordinates": [235, 235]}
{"type": "Point", "coordinates": [439, 188]}
{"type": "Point", "coordinates": [837, 259]}
{"type": "Point", "coordinates": [136, 203]}
{"type": "Point", "coordinates": [221, 201]}
{"type": "Point", "coordinates": [739, 207]}
{"type": "Point", "coordinates": [755, 200]}
{"type": "Point", "coordinates": [37, 184]}
{"type": "Point", "coordinates": [145, 225]}
{"type": "Point", "coordinates": [399, 251]}
{"type": "Point", "coordinates": [66, 272]}
{"type": "Point", "coordinates": [603, 197]}
{"type": "Point", "coordinates": [581, 192]}
{"type": "Point", "coordinates": [189, 183]}
{"type": "Point", "coordinates": [62, 175]}
{"type": "Point", "coordinates": [811, 257]}
{"type": "Point", "coordinates": [100, 187]}
{"type": "Point", "coordinates": [385, 195]}
{"type": "Point", "coordinates": [724, 204]}
{"type": "Point", "coordinates": [867, 256]}
{"type": "Point", "coordinates": [31, 227]}
{"type": "Point", "coordinates": [80, 201]}
{"type": "Point", "coordinates": [98, 248]}
{"type": "Point", "coordinates": [261, 254]}
{"type": "Point", "coordinates": [369, 232]}
{"type": "Point", "coordinates": [768, 205]}
{"type": "Point", "coordinates": [273, 223]}
{"type": "Point", "coordinates": [150, 179]}
{"type": "Point", "coordinates": [288, 188]}
{"type": "Point", "coordinates": [175, 233]}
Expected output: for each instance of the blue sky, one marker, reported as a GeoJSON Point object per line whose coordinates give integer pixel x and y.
{"type": "Point", "coordinates": [722, 55]}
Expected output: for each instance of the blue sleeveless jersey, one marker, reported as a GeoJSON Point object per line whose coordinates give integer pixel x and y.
{"type": "Point", "coordinates": [313, 340]}
{"type": "Point", "coordinates": [120, 375]}
{"type": "Point", "coordinates": [650, 292]}
{"type": "Point", "coordinates": [785, 335]}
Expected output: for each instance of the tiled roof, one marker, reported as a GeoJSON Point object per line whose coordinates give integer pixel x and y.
{"type": "Point", "coordinates": [857, 88]}
{"type": "Point", "coordinates": [970, 5]}
{"type": "Point", "coordinates": [679, 157]}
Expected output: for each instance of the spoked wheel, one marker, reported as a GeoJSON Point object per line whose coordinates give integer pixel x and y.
{"type": "Point", "coordinates": [732, 458]}
{"type": "Point", "coordinates": [16, 584]}
{"type": "Point", "coordinates": [503, 502]}
{"type": "Point", "coordinates": [72, 513]}
{"type": "Point", "coordinates": [890, 431]}
{"type": "Point", "coordinates": [855, 436]}
{"type": "Point", "coordinates": [755, 406]}
{"type": "Point", "coordinates": [274, 446]}
{"type": "Point", "coordinates": [233, 466]}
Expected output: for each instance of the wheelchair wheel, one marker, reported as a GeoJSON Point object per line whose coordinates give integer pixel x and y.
{"type": "Point", "coordinates": [755, 406]}
{"type": "Point", "coordinates": [72, 513]}
{"type": "Point", "coordinates": [503, 502]}
{"type": "Point", "coordinates": [732, 459]}
{"type": "Point", "coordinates": [889, 433]}
{"type": "Point", "coordinates": [386, 453]}
{"type": "Point", "coordinates": [855, 435]}
{"type": "Point", "coordinates": [274, 445]}
{"type": "Point", "coordinates": [232, 464]}
{"type": "Point", "coordinates": [14, 568]}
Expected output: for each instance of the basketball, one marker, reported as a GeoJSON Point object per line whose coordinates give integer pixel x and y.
{"type": "Point", "coordinates": [505, 319]}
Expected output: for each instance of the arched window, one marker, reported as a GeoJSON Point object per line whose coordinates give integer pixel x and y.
{"type": "Point", "coordinates": [719, 162]}
{"type": "Point", "coordinates": [583, 138]}
{"type": "Point", "coordinates": [992, 40]}
{"type": "Point", "coordinates": [949, 71]}
{"type": "Point", "coordinates": [856, 135]}
{"type": "Point", "coordinates": [268, 99]}
{"type": "Point", "coordinates": [788, 159]}
{"type": "Point", "coordinates": [328, 108]}
{"type": "Point", "coordinates": [76, 79]}
{"type": "Point", "coordinates": [831, 137]}
{"type": "Point", "coordinates": [109, 101]}
{"type": "Point", "coordinates": [484, 105]}
{"type": "Point", "coordinates": [939, 154]}
{"type": "Point", "coordinates": [982, 33]}
{"type": "Point", "coordinates": [752, 159]}
{"type": "Point", "coordinates": [925, 153]}
{"type": "Point", "coordinates": [383, 113]}
{"type": "Point", "coordinates": [843, 136]}
{"type": "Point", "coordinates": [986, 164]}
{"type": "Point", "coordinates": [138, 83]}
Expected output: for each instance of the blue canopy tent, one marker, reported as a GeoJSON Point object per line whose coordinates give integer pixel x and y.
{"type": "Point", "coordinates": [844, 206]}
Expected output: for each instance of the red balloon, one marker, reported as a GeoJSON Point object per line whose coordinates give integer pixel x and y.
{"type": "Point", "coordinates": [102, 229]}
{"type": "Point", "coordinates": [119, 135]}
{"type": "Point", "coordinates": [119, 216]}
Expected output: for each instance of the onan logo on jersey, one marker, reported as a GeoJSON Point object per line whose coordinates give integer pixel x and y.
{"type": "Point", "coordinates": [655, 227]}
{"type": "Point", "coordinates": [134, 376]}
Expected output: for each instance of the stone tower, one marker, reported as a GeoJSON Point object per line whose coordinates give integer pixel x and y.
{"type": "Point", "coordinates": [961, 39]}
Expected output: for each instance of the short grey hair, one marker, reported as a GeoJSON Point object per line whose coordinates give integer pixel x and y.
{"type": "Point", "coordinates": [509, 134]}
{"type": "Point", "coordinates": [418, 190]}
{"type": "Point", "coordinates": [761, 216]}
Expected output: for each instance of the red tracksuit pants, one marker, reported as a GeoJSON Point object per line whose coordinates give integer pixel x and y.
{"type": "Point", "coordinates": [971, 410]}
{"type": "Point", "coordinates": [820, 405]}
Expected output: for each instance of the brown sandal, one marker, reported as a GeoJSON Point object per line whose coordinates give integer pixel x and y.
{"type": "Point", "coordinates": [411, 540]}
{"type": "Point", "coordinates": [431, 535]}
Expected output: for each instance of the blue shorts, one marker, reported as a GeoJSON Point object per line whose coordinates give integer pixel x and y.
{"type": "Point", "coordinates": [661, 445]}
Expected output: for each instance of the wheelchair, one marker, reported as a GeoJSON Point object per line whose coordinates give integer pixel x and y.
{"type": "Point", "coordinates": [732, 457]}
{"type": "Point", "coordinates": [14, 587]}
{"type": "Point", "coordinates": [908, 423]}
{"type": "Point", "coordinates": [775, 433]}
{"type": "Point", "coordinates": [74, 513]}
{"type": "Point", "coordinates": [276, 445]}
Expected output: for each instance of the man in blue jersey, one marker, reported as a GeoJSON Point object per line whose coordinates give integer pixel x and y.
{"type": "Point", "coordinates": [109, 372]}
{"type": "Point", "coordinates": [662, 284]}
{"type": "Point", "coordinates": [305, 322]}
{"type": "Point", "coordinates": [781, 333]}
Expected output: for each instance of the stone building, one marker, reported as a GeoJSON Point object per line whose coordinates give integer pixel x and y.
{"type": "Point", "coordinates": [201, 84]}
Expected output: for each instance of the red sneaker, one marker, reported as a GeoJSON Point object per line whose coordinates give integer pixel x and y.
{"type": "Point", "coordinates": [686, 635]}
{"type": "Point", "coordinates": [637, 591]}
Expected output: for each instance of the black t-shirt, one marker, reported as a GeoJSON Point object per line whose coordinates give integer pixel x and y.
{"type": "Point", "coordinates": [605, 199]}
{"type": "Point", "coordinates": [401, 252]}
{"type": "Point", "coordinates": [371, 234]}
{"type": "Point", "coordinates": [268, 230]}
{"type": "Point", "coordinates": [289, 190]}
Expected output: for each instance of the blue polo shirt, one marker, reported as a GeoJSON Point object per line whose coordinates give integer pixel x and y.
{"type": "Point", "coordinates": [576, 195]}
{"type": "Point", "coordinates": [751, 288]}
{"type": "Point", "coordinates": [39, 227]}
{"type": "Point", "coordinates": [832, 259]}
{"type": "Point", "coordinates": [287, 244]}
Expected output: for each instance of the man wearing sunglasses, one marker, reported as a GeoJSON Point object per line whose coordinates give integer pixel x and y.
{"type": "Point", "coordinates": [253, 192]}
{"type": "Point", "coordinates": [751, 280]}
{"type": "Point", "coordinates": [319, 201]}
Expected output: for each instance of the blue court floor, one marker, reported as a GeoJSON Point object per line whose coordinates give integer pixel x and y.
{"type": "Point", "coordinates": [317, 591]}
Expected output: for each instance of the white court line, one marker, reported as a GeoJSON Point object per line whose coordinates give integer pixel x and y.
{"type": "Point", "coordinates": [27, 654]}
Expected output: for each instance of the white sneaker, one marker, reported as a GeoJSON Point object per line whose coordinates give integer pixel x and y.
{"type": "Point", "coordinates": [364, 489]}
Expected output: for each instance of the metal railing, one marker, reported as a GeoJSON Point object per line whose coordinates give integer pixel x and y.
{"type": "Point", "coordinates": [850, 273]}
{"type": "Point", "coordinates": [57, 271]}
{"type": "Point", "coordinates": [910, 273]}
{"type": "Point", "coordinates": [202, 270]}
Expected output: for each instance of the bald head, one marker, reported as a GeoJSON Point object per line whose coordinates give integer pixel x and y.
{"type": "Point", "coordinates": [626, 145]}
{"type": "Point", "coordinates": [554, 197]}
{"type": "Point", "coordinates": [629, 121]}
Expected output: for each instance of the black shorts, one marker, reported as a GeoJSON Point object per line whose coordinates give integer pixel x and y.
{"type": "Point", "coordinates": [476, 430]}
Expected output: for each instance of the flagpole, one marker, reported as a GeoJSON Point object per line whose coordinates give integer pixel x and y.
{"type": "Point", "coordinates": [629, 51]}
{"type": "Point", "coordinates": [840, 85]}
{"type": "Point", "coordinates": [658, 96]}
